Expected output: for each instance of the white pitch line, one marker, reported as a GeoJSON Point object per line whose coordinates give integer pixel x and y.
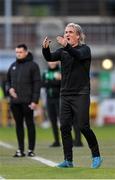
{"type": "Point", "coordinates": [6, 145]}
{"type": "Point", "coordinates": [37, 158]}
{"type": "Point", "coordinates": [1, 178]}
{"type": "Point", "coordinates": [44, 161]}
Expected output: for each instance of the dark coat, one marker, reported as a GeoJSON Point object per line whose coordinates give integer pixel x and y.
{"type": "Point", "coordinates": [24, 77]}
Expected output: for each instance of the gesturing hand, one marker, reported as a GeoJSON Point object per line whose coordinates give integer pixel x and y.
{"type": "Point", "coordinates": [46, 42]}
{"type": "Point", "coordinates": [61, 40]}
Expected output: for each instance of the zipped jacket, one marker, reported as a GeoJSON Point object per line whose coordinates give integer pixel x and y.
{"type": "Point", "coordinates": [24, 77]}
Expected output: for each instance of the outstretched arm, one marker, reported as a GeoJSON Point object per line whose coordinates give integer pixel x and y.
{"type": "Point", "coordinates": [79, 53]}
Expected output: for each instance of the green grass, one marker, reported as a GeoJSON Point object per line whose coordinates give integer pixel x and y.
{"type": "Point", "coordinates": [26, 168]}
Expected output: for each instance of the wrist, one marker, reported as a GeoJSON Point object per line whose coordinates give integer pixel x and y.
{"type": "Point", "coordinates": [65, 44]}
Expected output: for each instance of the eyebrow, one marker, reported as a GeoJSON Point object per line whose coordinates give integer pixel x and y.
{"type": "Point", "coordinates": [69, 31]}
{"type": "Point", "coordinates": [19, 51]}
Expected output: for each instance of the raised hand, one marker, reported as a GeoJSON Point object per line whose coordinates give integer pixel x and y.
{"type": "Point", "coordinates": [46, 42]}
{"type": "Point", "coordinates": [61, 40]}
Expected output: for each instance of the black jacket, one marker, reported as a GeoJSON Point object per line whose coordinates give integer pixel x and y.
{"type": "Point", "coordinates": [24, 77]}
{"type": "Point", "coordinates": [50, 83]}
{"type": "Point", "coordinates": [75, 67]}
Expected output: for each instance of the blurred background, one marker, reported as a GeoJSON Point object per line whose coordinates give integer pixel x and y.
{"type": "Point", "coordinates": [29, 21]}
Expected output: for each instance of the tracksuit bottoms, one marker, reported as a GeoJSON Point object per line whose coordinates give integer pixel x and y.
{"type": "Point", "coordinates": [77, 106]}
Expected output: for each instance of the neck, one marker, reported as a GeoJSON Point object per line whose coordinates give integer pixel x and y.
{"type": "Point", "coordinates": [74, 45]}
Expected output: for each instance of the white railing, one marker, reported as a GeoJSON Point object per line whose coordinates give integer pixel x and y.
{"type": "Point", "coordinates": [99, 30]}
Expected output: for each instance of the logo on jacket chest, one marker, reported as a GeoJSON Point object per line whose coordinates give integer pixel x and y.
{"type": "Point", "coordinates": [14, 67]}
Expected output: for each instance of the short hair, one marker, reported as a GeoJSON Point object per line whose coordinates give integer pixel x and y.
{"type": "Point", "coordinates": [22, 46]}
{"type": "Point", "coordinates": [79, 30]}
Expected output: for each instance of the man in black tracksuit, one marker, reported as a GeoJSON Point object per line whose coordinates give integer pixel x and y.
{"type": "Point", "coordinates": [23, 86]}
{"type": "Point", "coordinates": [51, 82]}
{"type": "Point", "coordinates": [75, 59]}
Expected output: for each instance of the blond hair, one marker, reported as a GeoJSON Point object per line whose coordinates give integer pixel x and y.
{"type": "Point", "coordinates": [79, 30]}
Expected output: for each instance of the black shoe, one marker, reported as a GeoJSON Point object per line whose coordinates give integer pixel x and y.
{"type": "Point", "coordinates": [19, 153]}
{"type": "Point", "coordinates": [31, 153]}
{"type": "Point", "coordinates": [77, 144]}
{"type": "Point", "coordinates": [55, 144]}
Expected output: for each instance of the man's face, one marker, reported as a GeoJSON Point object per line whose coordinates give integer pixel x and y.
{"type": "Point", "coordinates": [71, 35]}
{"type": "Point", "coordinates": [21, 53]}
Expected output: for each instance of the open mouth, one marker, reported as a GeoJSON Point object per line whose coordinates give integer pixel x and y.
{"type": "Point", "coordinates": [68, 39]}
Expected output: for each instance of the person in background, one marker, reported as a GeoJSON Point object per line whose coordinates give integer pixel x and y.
{"type": "Point", "coordinates": [51, 81]}
{"type": "Point", "coordinates": [23, 85]}
{"type": "Point", "coordinates": [75, 57]}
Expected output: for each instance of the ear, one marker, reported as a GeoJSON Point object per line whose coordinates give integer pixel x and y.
{"type": "Point", "coordinates": [27, 52]}
{"type": "Point", "coordinates": [78, 36]}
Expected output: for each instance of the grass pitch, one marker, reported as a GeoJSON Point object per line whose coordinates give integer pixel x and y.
{"type": "Point", "coordinates": [26, 168]}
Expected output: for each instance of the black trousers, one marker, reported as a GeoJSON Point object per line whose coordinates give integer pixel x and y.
{"type": "Point", "coordinates": [76, 106]}
{"type": "Point", "coordinates": [21, 113]}
{"type": "Point", "coordinates": [77, 139]}
{"type": "Point", "coordinates": [53, 113]}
